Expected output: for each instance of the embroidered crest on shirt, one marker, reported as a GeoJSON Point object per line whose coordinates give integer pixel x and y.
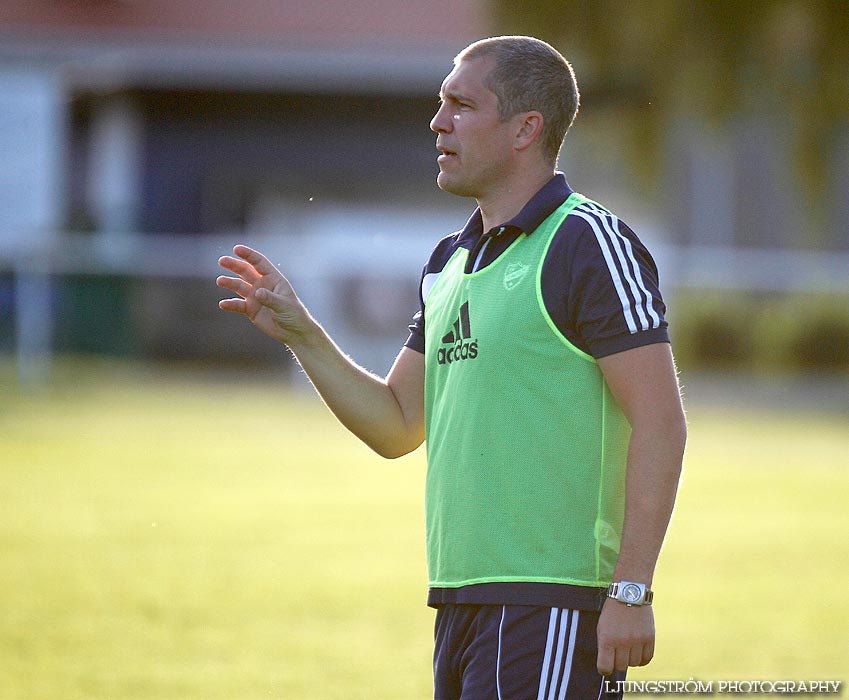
{"type": "Point", "coordinates": [514, 274]}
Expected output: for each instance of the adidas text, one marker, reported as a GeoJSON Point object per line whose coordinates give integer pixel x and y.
{"type": "Point", "coordinates": [460, 351]}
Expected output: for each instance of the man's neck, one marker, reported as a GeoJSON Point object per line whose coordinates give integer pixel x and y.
{"type": "Point", "coordinates": [503, 204]}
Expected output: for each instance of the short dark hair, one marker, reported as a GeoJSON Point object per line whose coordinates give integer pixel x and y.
{"type": "Point", "coordinates": [530, 75]}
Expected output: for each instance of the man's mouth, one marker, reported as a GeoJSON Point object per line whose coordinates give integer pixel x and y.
{"type": "Point", "coordinates": [445, 155]}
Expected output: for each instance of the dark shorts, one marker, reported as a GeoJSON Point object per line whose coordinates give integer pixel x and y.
{"type": "Point", "coordinates": [517, 652]}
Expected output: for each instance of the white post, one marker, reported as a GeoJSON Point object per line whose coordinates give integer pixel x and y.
{"type": "Point", "coordinates": [33, 317]}
{"type": "Point", "coordinates": [32, 133]}
{"type": "Point", "coordinates": [113, 189]}
{"type": "Point", "coordinates": [712, 183]}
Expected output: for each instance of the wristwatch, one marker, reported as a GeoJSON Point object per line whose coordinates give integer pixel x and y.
{"type": "Point", "coordinates": [630, 593]}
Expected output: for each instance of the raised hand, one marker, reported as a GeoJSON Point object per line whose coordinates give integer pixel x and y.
{"type": "Point", "coordinates": [266, 297]}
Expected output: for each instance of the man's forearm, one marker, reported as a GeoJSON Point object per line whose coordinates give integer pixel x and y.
{"type": "Point", "coordinates": [654, 466]}
{"type": "Point", "coordinates": [645, 385]}
{"type": "Point", "coordinates": [387, 420]}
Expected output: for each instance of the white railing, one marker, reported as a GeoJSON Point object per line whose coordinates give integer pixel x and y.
{"type": "Point", "coordinates": [313, 262]}
{"type": "Point", "coordinates": [779, 270]}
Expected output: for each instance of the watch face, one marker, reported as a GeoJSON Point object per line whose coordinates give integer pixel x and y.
{"type": "Point", "coordinates": [631, 593]}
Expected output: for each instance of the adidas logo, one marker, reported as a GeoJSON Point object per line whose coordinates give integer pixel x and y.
{"type": "Point", "coordinates": [461, 347]}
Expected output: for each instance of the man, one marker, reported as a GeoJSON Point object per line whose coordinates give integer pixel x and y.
{"type": "Point", "coordinates": [540, 371]}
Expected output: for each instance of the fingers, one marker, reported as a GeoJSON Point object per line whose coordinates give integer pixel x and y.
{"type": "Point", "coordinates": [259, 284]}
{"type": "Point", "coordinates": [612, 659]}
{"type": "Point", "coordinates": [241, 268]}
{"type": "Point", "coordinates": [633, 657]}
{"type": "Point", "coordinates": [257, 260]}
{"type": "Point", "coordinates": [263, 296]}
{"type": "Point", "coordinates": [250, 264]}
{"type": "Point", "coordinates": [606, 660]}
{"type": "Point", "coordinates": [239, 286]}
{"type": "Point", "coordinates": [648, 653]}
{"type": "Point", "coordinates": [237, 305]}
{"type": "Point", "coordinates": [622, 660]}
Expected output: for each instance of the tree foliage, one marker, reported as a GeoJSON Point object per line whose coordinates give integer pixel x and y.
{"type": "Point", "coordinates": [709, 60]}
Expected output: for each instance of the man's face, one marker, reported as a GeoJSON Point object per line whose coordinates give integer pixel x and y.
{"type": "Point", "coordinates": [476, 146]}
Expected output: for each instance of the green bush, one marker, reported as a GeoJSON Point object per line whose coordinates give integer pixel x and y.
{"type": "Point", "coordinates": [805, 332]}
{"type": "Point", "coordinates": [763, 332]}
{"type": "Point", "coordinates": [710, 330]}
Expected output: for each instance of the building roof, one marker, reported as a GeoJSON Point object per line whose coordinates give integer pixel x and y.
{"type": "Point", "coordinates": [378, 45]}
{"type": "Point", "coordinates": [330, 21]}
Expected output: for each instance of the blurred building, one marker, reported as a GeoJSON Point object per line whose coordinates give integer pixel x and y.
{"type": "Point", "coordinates": [139, 140]}
{"type": "Point", "coordinates": [153, 127]}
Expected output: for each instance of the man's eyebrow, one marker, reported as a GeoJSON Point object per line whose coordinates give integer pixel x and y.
{"type": "Point", "coordinates": [455, 97]}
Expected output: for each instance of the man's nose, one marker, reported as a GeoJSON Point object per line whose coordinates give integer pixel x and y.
{"type": "Point", "coordinates": [441, 122]}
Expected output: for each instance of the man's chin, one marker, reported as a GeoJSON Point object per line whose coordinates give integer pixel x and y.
{"type": "Point", "coordinates": [452, 186]}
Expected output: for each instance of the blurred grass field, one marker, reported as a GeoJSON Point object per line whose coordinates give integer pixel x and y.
{"type": "Point", "coordinates": [169, 535]}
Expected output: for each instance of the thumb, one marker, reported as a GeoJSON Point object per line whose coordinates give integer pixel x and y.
{"type": "Point", "coordinates": [269, 299]}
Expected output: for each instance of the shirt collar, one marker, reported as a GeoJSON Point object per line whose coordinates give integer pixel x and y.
{"type": "Point", "coordinates": [537, 210]}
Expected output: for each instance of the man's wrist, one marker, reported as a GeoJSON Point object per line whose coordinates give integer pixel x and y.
{"type": "Point", "coordinates": [308, 335]}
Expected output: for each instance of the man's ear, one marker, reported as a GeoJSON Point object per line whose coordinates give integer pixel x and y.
{"type": "Point", "coordinates": [528, 129]}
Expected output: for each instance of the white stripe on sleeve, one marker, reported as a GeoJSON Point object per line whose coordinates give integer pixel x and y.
{"type": "Point", "coordinates": [632, 268]}
{"type": "Point", "coordinates": [605, 227]}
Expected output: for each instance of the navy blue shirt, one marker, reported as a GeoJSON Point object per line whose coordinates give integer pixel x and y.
{"type": "Point", "coordinates": [599, 282]}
